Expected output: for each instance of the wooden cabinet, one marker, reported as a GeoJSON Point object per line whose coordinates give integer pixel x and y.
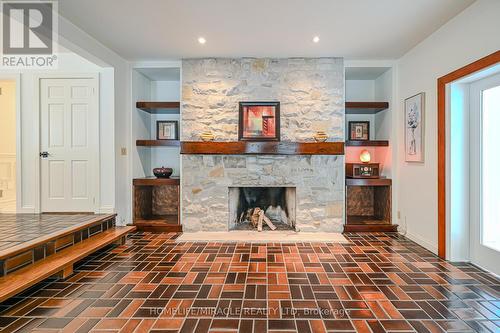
{"type": "Point", "coordinates": [368, 205]}
{"type": "Point", "coordinates": [156, 204]}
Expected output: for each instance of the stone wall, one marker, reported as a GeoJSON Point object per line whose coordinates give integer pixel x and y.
{"type": "Point", "coordinates": [311, 93]}
{"type": "Point", "coordinates": [319, 182]}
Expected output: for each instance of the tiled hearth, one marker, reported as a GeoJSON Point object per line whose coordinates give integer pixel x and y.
{"type": "Point", "coordinates": [375, 283]}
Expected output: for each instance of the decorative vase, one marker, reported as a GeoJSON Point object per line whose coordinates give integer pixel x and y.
{"type": "Point", "coordinates": [320, 136]}
{"type": "Point", "coordinates": [207, 136]}
{"type": "Point", "coordinates": [163, 172]}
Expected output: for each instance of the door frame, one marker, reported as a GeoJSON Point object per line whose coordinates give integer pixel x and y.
{"type": "Point", "coordinates": [36, 121]}
{"type": "Point", "coordinates": [16, 77]}
{"type": "Point", "coordinates": [443, 105]}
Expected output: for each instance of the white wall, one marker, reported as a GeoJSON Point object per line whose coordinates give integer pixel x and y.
{"type": "Point", "coordinates": [165, 156]}
{"type": "Point", "coordinates": [471, 35]}
{"type": "Point", "coordinates": [68, 64]}
{"type": "Point", "coordinates": [8, 146]}
{"type": "Point", "coordinates": [141, 126]}
{"type": "Point", "coordinates": [78, 41]}
{"type": "Point", "coordinates": [166, 91]}
{"type": "Point", "coordinates": [114, 72]}
{"type": "Point", "coordinates": [144, 159]}
{"type": "Point", "coordinates": [360, 91]}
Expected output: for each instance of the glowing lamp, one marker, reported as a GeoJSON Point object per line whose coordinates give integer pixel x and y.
{"type": "Point", "coordinates": [365, 156]}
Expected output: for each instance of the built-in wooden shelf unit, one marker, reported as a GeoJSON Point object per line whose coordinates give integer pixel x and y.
{"type": "Point", "coordinates": [365, 107]}
{"type": "Point", "coordinates": [156, 204]}
{"type": "Point", "coordinates": [368, 205]}
{"type": "Point", "coordinates": [159, 107]}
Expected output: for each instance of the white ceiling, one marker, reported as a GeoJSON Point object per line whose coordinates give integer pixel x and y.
{"type": "Point", "coordinates": [169, 29]}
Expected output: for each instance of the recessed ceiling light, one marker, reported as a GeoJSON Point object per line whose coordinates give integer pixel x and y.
{"type": "Point", "coordinates": [316, 39]}
{"type": "Point", "coordinates": [202, 40]}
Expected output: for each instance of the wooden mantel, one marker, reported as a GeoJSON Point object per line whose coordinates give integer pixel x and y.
{"type": "Point", "coordinates": [262, 148]}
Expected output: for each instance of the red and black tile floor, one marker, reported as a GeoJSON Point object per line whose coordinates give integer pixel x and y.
{"type": "Point", "coordinates": [376, 283]}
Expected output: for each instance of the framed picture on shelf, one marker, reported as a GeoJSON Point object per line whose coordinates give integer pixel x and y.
{"type": "Point", "coordinates": [414, 128]}
{"type": "Point", "coordinates": [167, 130]}
{"type": "Point", "coordinates": [359, 130]}
{"type": "Point", "coordinates": [259, 121]}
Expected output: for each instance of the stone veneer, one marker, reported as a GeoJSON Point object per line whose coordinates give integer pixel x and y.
{"type": "Point", "coordinates": [318, 181]}
{"type": "Point", "coordinates": [310, 92]}
{"type": "Point", "coordinates": [311, 96]}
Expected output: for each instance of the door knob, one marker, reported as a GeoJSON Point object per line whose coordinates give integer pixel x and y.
{"type": "Point", "coordinates": [44, 154]}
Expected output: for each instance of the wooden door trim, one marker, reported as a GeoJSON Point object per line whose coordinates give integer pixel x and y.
{"type": "Point", "coordinates": [469, 69]}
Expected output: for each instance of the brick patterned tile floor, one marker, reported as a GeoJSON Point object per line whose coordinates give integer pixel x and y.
{"type": "Point", "coordinates": [376, 283]}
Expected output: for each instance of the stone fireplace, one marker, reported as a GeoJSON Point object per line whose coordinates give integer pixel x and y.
{"type": "Point", "coordinates": [277, 204]}
{"type": "Point", "coordinates": [311, 95]}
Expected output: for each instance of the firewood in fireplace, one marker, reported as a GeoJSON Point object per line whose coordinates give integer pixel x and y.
{"type": "Point", "coordinates": [257, 217]}
{"type": "Point", "coordinates": [267, 220]}
{"type": "Point", "coordinates": [261, 217]}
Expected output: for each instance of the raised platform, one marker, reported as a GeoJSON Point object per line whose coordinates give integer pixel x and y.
{"type": "Point", "coordinates": [28, 238]}
{"type": "Point", "coordinates": [35, 247]}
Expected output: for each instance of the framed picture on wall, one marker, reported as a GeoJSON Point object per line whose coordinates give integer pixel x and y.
{"type": "Point", "coordinates": [167, 130]}
{"type": "Point", "coordinates": [259, 121]}
{"type": "Point", "coordinates": [414, 128]}
{"type": "Point", "coordinates": [359, 130]}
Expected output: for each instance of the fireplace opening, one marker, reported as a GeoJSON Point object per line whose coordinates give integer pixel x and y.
{"type": "Point", "coordinates": [262, 208]}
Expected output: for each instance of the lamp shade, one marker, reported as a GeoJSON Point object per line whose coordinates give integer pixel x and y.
{"type": "Point", "coordinates": [365, 156]}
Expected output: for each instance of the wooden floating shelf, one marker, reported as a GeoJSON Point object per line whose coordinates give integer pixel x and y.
{"type": "Point", "coordinates": [158, 143]}
{"type": "Point", "coordinates": [367, 143]}
{"type": "Point", "coordinates": [159, 107]}
{"type": "Point", "coordinates": [153, 181]}
{"type": "Point", "coordinates": [365, 107]}
{"type": "Point", "coordinates": [262, 148]}
{"type": "Point", "coordinates": [368, 182]}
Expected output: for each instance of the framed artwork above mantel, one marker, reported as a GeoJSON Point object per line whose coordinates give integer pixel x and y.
{"type": "Point", "coordinates": [259, 121]}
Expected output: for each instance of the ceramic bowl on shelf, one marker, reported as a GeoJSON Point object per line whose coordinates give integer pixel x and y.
{"type": "Point", "coordinates": [163, 172]}
{"type": "Point", "coordinates": [320, 136]}
{"type": "Point", "coordinates": [207, 136]}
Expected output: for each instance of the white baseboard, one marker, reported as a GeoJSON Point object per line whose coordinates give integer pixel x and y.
{"type": "Point", "coordinates": [106, 210]}
{"type": "Point", "coordinates": [422, 242]}
{"type": "Point", "coordinates": [27, 210]}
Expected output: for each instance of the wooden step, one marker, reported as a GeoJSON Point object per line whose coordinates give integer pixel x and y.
{"type": "Point", "coordinates": [60, 264]}
{"type": "Point", "coordinates": [38, 248]}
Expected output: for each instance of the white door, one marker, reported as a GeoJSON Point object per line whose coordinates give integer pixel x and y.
{"type": "Point", "coordinates": [485, 173]}
{"type": "Point", "coordinates": [69, 144]}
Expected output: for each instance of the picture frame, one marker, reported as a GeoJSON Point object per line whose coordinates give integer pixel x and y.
{"type": "Point", "coordinates": [259, 121]}
{"type": "Point", "coordinates": [414, 128]}
{"type": "Point", "coordinates": [167, 130]}
{"type": "Point", "coordinates": [359, 131]}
